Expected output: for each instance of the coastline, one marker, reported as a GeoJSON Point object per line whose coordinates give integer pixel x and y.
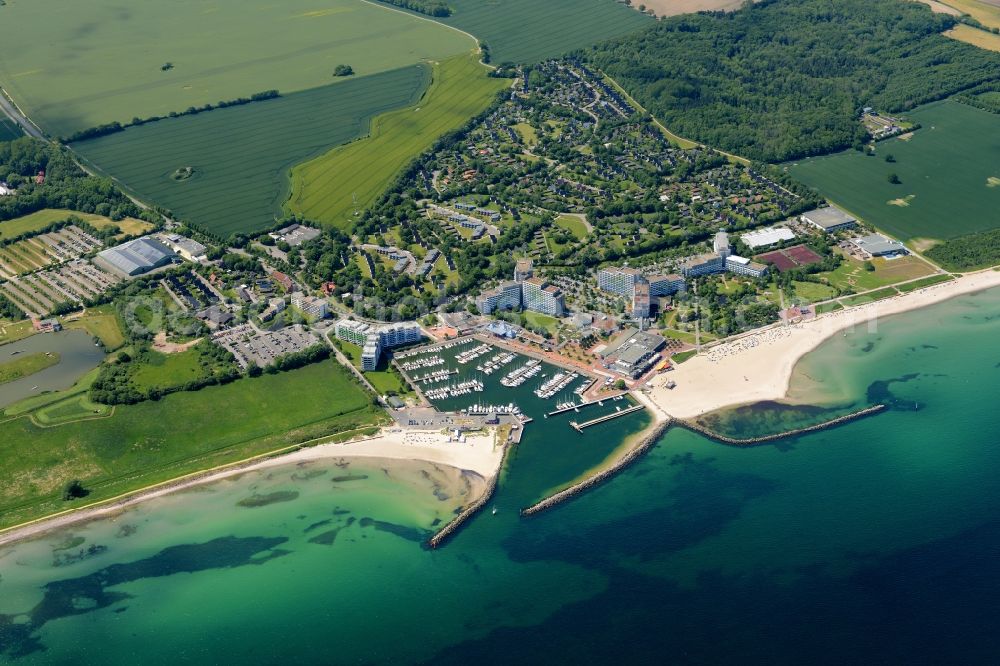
{"type": "Point", "coordinates": [758, 366]}
{"type": "Point", "coordinates": [478, 455]}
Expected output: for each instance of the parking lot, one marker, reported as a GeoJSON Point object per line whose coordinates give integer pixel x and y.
{"type": "Point", "coordinates": [249, 345]}
{"type": "Point", "coordinates": [74, 282]}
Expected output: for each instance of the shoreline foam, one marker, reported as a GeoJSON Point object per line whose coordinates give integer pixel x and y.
{"type": "Point", "coordinates": [758, 366]}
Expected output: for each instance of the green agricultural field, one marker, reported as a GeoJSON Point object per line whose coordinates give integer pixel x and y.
{"type": "Point", "coordinates": [241, 156]}
{"type": "Point", "coordinates": [331, 187]}
{"type": "Point", "coordinates": [9, 130]}
{"type": "Point", "coordinates": [155, 441]}
{"type": "Point", "coordinates": [527, 31]}
{"type": "Point", "coordinates": [102, 60]}
{"type": "Point", "coordinates": [944, 172]}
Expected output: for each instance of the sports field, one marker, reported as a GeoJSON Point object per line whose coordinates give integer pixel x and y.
{"type": "Point", "coordinates": [101, 60]}
{"type": "Point", "coordinates": [183, 432]}
{"type": "Point", "coordinates": [526, 31]}
{"type": "Point", "coordinates": [331, 187]}
{"type": "Point", "coordinates": [944, 171]}
{"type": "Point", "coordinates": [241, 155]}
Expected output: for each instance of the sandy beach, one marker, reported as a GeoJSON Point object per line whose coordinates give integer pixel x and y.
{"type": "Point", "coordinates": [758, 366]}
{"type": "Point", "coordinates": [477, 454]}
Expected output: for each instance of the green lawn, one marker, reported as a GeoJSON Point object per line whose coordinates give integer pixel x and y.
{"type": "Point", "coordinates": [14, 331]}
{"type": "Point", "coordinates": [100, 60]}
{"type": "Point", "coordinates": [944, 171]}
{"type": "Point", "coordinates": [877, 295]}
{"type": "Point", "coordinates": [184, 432]}
{"type": "Point", "coordinates": [828, 307]}
{"type": "Point", "coordinates": [385, 379]}
{"type": "Point", "coordinates": [680, 357]}
{"type": "Point", "coordinates": [241, 155]}
{"type": "Point", "coordinates": [168, 370]}
{"type": "Point", "coordinates": [572, 224]}
{"type": "Point", "coordinates": [103, 323]}
{"type": "Point", "coordinates": [539, 320]}
{"type": "Point", "coordinates": [851, 274]}
{"type": "Point", "coordinates": [23, 366]}
{"type": "Point", "coordinates": [812, 291]}
{"type": "Point", "coordinates": [528, 31]}
{"type": "Point", "coordinates": [331, 187]}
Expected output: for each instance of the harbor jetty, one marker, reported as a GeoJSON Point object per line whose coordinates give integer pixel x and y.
{"type": "Point", "coordinates": [449, 530]}
{"type": "Point", "coordinates": [642, 446]}
{"type": "Point", "coordinates": [607, 417]}
{"type": "Point", "coordinates": [764, 439]}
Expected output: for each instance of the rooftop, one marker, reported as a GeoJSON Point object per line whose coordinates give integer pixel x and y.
{"type": "Point", "coordinates": [828, 217]}
{"type": "Point", "coordinates": [765, 237]}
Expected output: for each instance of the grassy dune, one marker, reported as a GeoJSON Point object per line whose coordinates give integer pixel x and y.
{"type": "Point", "coordinates": [331, 187]}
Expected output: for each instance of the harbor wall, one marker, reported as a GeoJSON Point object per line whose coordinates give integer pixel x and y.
{"type": "Point", "coordinates": [764, 439]}
{"type": "Point", "coordinates": [452, 528]}
{"type": "Point", "coordinates": [645, 443]}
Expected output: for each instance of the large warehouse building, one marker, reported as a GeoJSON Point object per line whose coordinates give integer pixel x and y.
{"type": "Point", "coordinates": [137, 256]}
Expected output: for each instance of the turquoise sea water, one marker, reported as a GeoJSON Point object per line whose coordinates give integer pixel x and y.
{"type": "Point", "coordinates": [876, 542]}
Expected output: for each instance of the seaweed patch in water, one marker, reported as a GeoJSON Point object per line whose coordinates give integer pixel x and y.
{"type": "Point", "coordinates": [317, 525]}
{"type": "Point", "coordinates": [349, 477]}
{"type": "Point", "coordinates": [256, 500]}
{"type": "Point", "coordinates": [402, 531]}
{"type": "Point", "coordinates": [310, 474]}
{"type": "Point", "coordinates": [76, 596]}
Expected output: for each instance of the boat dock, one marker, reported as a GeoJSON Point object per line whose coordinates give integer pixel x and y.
{"type": "Point", "coordinates": [601, 419]}
{"type": "Point", "coordinates": [563, 410]}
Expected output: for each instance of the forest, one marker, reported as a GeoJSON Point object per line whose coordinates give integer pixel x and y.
{"type": "Point", "coordinates": [64, 184]}
{"type": "Point", "coordinates": [784, 79]}
{"type": "Point", "coordinates": [969, 252]}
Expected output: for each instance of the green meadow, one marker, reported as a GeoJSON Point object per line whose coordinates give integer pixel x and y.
{"type": "Point", "coordinates": [241, 156]}
{"type": "Point", "coordinates": [949, 175]}
{"type": "Point", "coordinates": [154, 441]}
{"type": "Point", "coordinates": [331, 187]}
{"type": "Point", "coordinates": [527, 31]}
{"type": "Point", "coordinates": [103, 60]}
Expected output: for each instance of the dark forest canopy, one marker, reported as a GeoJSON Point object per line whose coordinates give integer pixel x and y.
{"type": "Point", "coordinates": [788, 78]}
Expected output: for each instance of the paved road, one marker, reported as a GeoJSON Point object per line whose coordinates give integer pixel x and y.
{"type": "Point", "coordinates": [11, 112]}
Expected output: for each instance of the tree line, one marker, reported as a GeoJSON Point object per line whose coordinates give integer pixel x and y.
{"type": "Point", "coordinates": [428, 7]}
{"type": "Point", "coordinates": [64, 185]}
{"type": "Point", "coordinates": [114, 127]}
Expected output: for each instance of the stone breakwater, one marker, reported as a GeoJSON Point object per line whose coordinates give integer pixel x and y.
{"type": "Point", "coordinates": [633, 454]}
{"type": "Point", "coordinates": [764, 439]}
{"type": "Point", "coordinates": [475, 507]}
